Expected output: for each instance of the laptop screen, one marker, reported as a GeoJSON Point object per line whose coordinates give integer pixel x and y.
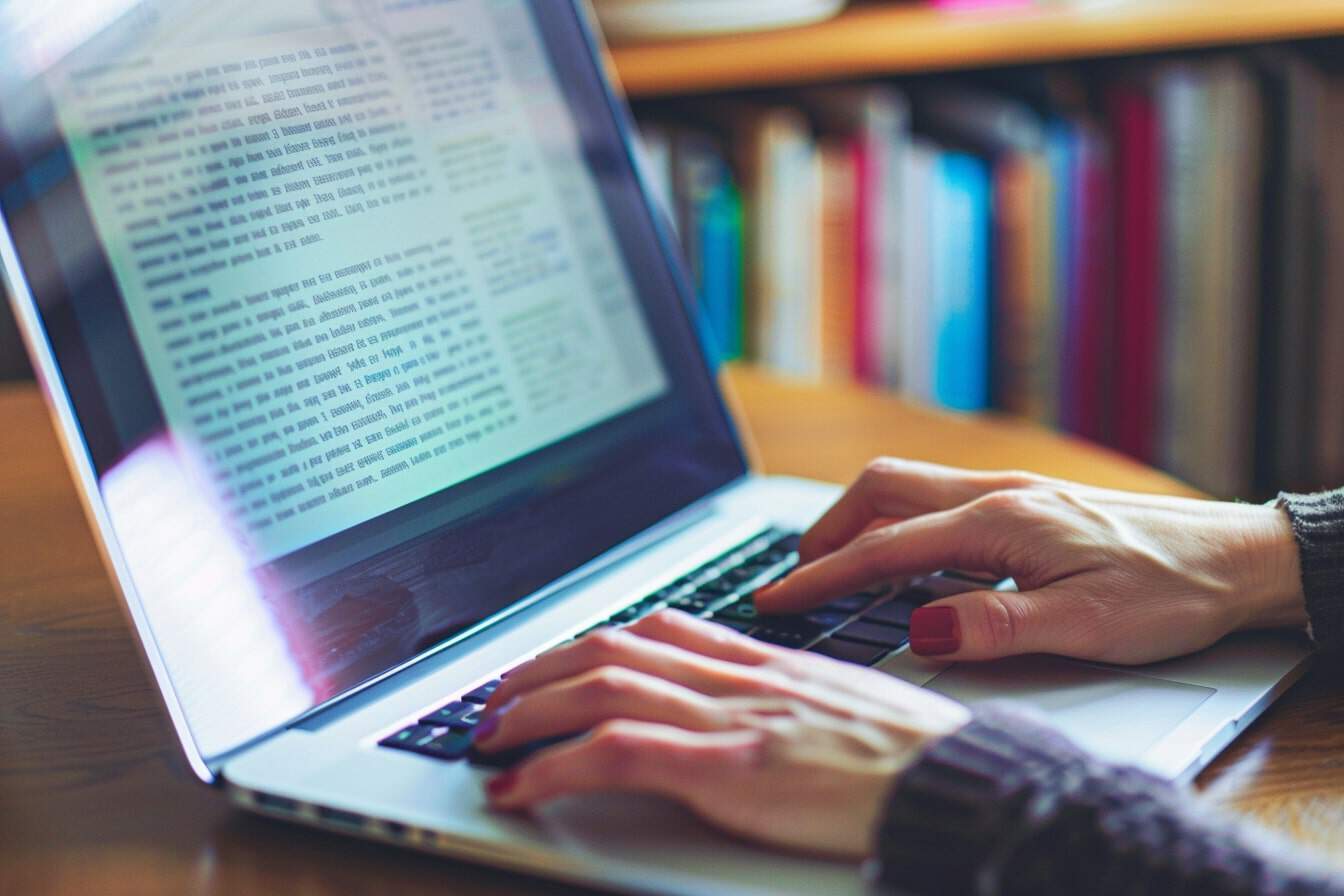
{"type": "Point", "coordinates": [367, 326]}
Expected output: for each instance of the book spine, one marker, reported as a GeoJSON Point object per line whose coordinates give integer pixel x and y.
{"type": "Point", "coordinates": [1133, 120]}
{"type": "Point", "coordinates": [961, 283]}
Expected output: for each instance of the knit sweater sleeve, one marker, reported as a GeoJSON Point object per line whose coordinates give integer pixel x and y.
{"type": "Point", "coordinates": [1318, 524]}
{"type": "Point", "coordinates": [1008, 806]}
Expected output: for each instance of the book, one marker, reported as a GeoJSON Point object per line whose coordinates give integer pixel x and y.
{"type": "Point", "coordinates": [1010, 135]}
{"type": "Point", "coordinates": [1060, 150]}
{"type": "Point", "coordinates": [1329, 411]}
{"type": "Point", "coordinates": [1086, 314]}
{"type": "Point", "coordinates": [1023, 232]}
{"type": "Point", "coordinates": [960, 283]}
{"type": "Point", "coordinates": [1132, 118]}
{"type": "Point", "coordinates": [689, 164]}
{"type": "Point", "coordinates": [1211, 120]}
{"type": "Point", "coordinates": [1182, 100]}
{"type": "Point", "coordinates": [837, 267]}
{"type": "Point", "coordinates": [1227, 315]}
{"type": "Point", "coordinates": [875, 120]}
{"type": "Point", "coordinates": [1291, 299]}
{"type": "Point", "coordinates": [776, 164]}
{"type": "Point", "coordinates": [920, 168]}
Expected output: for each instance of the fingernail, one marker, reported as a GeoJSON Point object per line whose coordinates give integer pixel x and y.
{"type": "Point", "coordinates": [935, 631]}
{"type": "Point", "coordinates": [485, 729]}
{"type": "Point", "coordinates": [500, 785]}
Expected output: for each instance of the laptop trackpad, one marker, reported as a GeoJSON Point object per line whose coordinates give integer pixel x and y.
{"type": "Point", "coordinates": [1114, 713]}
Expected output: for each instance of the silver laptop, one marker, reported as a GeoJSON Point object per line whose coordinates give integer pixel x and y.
{"type": "Point", "coordinates": [375, 370]}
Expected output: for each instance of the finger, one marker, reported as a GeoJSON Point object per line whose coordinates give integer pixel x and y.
{"type": "Point", "coordinates": [617, 647]}
{"type": "Point", "coordinates": [700, 636]}
{"type": "Point", "coordinates": [985, 625]}
{"type": "Point", "coordinates": [627, 756]}
{"type": "Point", "coordinates": [891, 488]}
{"type": "Point", "coordinates": [585, 701]}
{"type": "Point", "coordinates": [952, 538]}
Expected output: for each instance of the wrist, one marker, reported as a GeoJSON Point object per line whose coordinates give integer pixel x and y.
{"type": "Point", "coordinates": [1268, 587]}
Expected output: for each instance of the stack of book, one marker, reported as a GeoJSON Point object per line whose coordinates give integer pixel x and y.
{"type": "Point", "coordinates": [1151, 257]}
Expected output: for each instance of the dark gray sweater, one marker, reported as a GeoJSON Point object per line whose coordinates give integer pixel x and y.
{"type": "Point", "coordinates": [1009, 806]}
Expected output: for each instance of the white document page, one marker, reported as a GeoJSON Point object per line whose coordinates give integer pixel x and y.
{"type": "Point", "coordinates": [363, 257]}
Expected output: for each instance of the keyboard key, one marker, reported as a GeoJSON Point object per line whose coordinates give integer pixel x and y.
{"type": "Point", "coordinates": [629, 614]}
{"type": "Point", "coordinates": [735, 624]}
{"type": "Point", "coordinates": [718, 587]}
{"type": "Point", "coordinates": [406, 736]}
{"type": "Point", "coordinates": [692, 603]}
{"type": "Point", "coordinates": [889, 636]}
{"type": "Point", "coordinates": [482, 693]}
{"type": "Point", "coordinates": [827, 619]}
{"type": "Point", "coordinates": [741, 574]}
{"type": "Point", "coordinates": [450, 745]}
{"type": "Point", "coordinates": [893, 612]}
{"type": "Point", "coordinates": [783, 637]}
{"type": "Point", "coordinates": [787, 631]}
{"type": "Point", "coordinates": [851, 604]}
{"type": "Point", "coordinates": [742, 611]}
{"type": "Point", "coordinates": [457, 715]}
{"type": "Point", "coordinates": [650, 605]}
{"type": "Point", "coordinates": [849, 651]}
{"type": "Point", "coordinates": [977, 581]}
{"type": "Point", "coordinates": [430, 740]}
{"type": "Point", "coordinates": [787, 543]}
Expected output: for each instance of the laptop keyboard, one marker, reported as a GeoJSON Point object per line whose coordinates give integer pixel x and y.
{"type": "Point", "coordinates": [861, 628]}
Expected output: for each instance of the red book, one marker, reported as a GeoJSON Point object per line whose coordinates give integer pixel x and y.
{"type": "Point", "coordinates": [1088, 308]}
{"type": "Point", "coordinates": [1137, 331]}
{"type": "Point", "coordinates": [867, 197]}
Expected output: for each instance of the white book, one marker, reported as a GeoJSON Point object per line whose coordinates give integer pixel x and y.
{"type": "Point", "coordinates": [782, 182]}
{"type": "Point", "coordinates": [918, 182]}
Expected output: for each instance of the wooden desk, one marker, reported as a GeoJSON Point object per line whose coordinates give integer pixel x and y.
{"type": "Point", "coordinates": [93, 797]}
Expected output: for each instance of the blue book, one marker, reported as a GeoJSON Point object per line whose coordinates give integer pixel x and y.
{"type": "Point", "coordinates": [720, 266]}
{"type": "Point", "coordinates": [711, 231]}
{"type": "Point", "coordinates": [961, 278]}
{"type": "Point", "coordinates": [1062, 158]}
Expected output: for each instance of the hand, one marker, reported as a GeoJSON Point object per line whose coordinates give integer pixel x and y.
{"type": "Point", "coordinates": [1103, 575]}
{"type": "Point", "coordinates": [778, 746]}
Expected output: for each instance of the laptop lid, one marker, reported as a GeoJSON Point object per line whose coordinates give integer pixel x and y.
{"type": "Point", "coordinates": [357, 318]}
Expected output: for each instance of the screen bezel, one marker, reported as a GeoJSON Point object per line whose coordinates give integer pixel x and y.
{"type": "Point", "coordinates": [81, 404]}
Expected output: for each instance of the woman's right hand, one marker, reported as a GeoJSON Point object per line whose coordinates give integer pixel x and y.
{"type": "Point", "coordinates": [1105, 575]}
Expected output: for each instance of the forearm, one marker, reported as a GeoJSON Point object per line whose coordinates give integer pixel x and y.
{"type": "Point", "coordinates": [1007, 806]}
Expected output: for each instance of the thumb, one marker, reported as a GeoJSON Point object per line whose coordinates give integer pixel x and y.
{"type": "Point", "coordinates": [986, 625]}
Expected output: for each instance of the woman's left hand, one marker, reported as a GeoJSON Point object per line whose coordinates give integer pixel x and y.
{"type": "Point", "coordinates": [778, 746]}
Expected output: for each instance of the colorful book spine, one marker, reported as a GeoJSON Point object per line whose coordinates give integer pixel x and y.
{"type": "Point", "coordinates": [1061, 147]}
{"type": "Point", "coordinates": [920, 180]}
{"type": "Point", "coordinates": [1087, 323]}
{"type": "Point", "coordinates": [1138, 323]}
{"type": "Point", "coordinates": [960, 294]}
{"type": "Point", "coordinates": [838, 226]}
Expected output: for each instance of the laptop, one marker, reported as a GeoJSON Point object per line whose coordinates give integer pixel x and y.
{"type": "Point", "coordinates": [377, 373]}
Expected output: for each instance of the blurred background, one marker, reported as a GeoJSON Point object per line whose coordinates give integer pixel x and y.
{"type": "Point", "coordinates": [1122, 219]}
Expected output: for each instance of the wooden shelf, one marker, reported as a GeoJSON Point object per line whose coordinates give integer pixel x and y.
{"type": "Point", "coordinates": [901, 37]}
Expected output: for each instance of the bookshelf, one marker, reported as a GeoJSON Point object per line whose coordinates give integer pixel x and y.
{"type": "Point", "coordinates": [1036, 235]}
{"type": "Point", "coordinates": [889, 38]}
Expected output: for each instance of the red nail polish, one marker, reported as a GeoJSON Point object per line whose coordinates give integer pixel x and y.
{"type": "Point", "coordinates": [934, 631]}
{"type": "Point", "coordinates": [500, 785]}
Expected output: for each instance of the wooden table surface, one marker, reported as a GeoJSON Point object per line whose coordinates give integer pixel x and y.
{"type": "Point", "coordinates": [93, 795]}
